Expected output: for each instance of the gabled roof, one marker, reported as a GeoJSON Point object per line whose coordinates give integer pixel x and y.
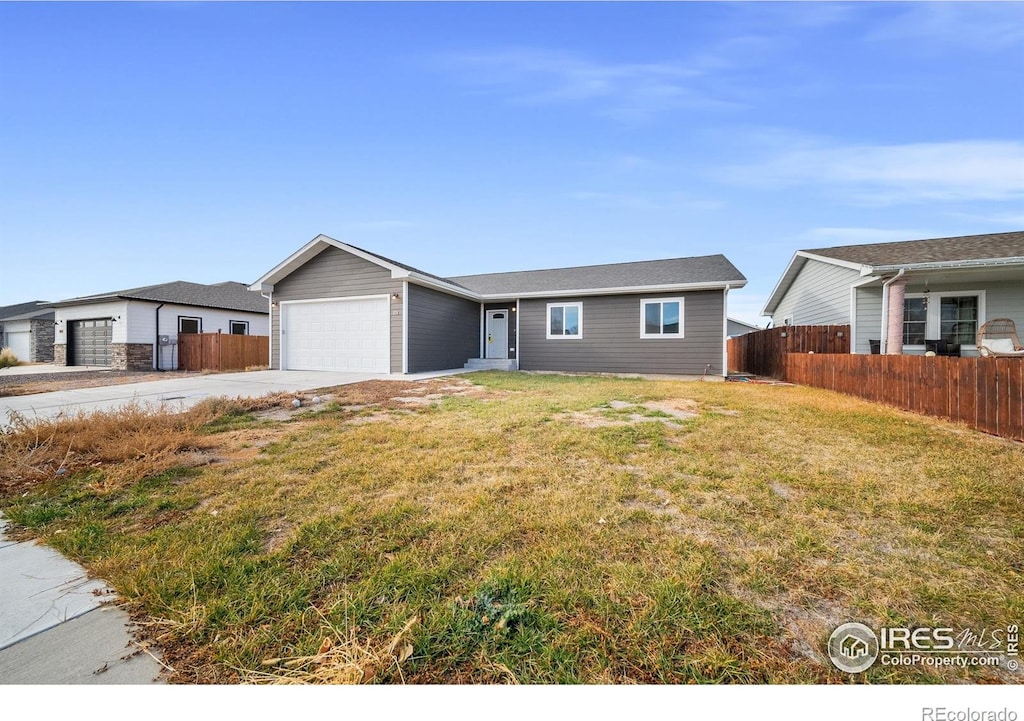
{"type": "Point", "coordinates": [705, 272]}
{"type": "Point", "coordinates": [322, 242]}
{"type": "Point", "coordinates": [963, 251]}
{"type": "Point", "coordinates": [228, 295]}
{"type": "Point", "coordinates": [24, 311]}
{"type": "Point", "coordinates": [674, 273]}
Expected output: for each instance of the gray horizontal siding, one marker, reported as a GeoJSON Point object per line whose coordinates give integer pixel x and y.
{"type": "Point", "coordinates": [444, 331]}
{"type": "Point", "coordinates": [335, 273]}
{"type": "Point", "coordinates": [611, 337]}
{"type": "Point", "coordinates": [513, 339]}
{"type": "Point", "coordinates": [1005, 300]}
{"type": "Point", "coordinates": [820, 295]}
{"type": "Point", "coordinates": [869, 318]}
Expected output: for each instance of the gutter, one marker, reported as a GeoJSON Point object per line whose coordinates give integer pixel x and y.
{"type": "Point", "coordinates": [884, 335]}
{"type": "Point", "coordinates": [950, 264]}
{"type": "Point", "coordinates": [270, 324]}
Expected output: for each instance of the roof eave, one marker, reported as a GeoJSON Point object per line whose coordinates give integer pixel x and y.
{"type": "Point", "coordinates": [448, 288]}
{"type": "Point", "coordinates": [785, 280]}
{"type": "Point", "coordinates": [87, 300]}
{"type": "Point", "coordinates": [623, 290]}
{"type": "Point", "coordinates": [946, 265]}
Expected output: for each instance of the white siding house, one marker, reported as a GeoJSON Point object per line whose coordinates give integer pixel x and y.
{"type": "Point", "coordinates": [138, 329]}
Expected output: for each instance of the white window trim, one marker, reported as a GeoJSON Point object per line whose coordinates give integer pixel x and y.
{"type": "Point", "coordinates": [547, 320]}
{"type": "Point", "coordinates": [196, 318]}
{"type": "Point", "coordinates": [661, 336]}
{"type": "Point", "coordinates": [933, 320]}
{"type": "Point", "coordinates": [241, 322]}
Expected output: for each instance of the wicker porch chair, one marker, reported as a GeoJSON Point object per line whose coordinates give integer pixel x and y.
{"type": "Point", "coordinates": [999, 329]}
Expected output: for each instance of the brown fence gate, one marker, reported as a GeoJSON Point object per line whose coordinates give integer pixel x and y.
{"type": "Point", "coordinates": [222, 351]}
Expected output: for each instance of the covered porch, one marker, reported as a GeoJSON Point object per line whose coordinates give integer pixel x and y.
{"type": "Point", "coordinates": [938, 310]}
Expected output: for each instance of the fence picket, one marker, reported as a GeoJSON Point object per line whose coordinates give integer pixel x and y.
{"type": "Point", "coordinates": [983, 393]}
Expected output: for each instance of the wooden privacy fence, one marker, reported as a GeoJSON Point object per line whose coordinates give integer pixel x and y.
{"type": "Point", "coordinates": [222, 351]}
{"type": "Point", "coordinates": [762, 352]}
{"type": "Point", "coordinates": [984, 393]}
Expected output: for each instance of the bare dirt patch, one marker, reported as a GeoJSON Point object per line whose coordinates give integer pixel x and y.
{"type": "Point", "coordinates": [623, 413]}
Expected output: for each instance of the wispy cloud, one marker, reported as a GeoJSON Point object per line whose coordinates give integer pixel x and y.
{"type": "Point", "coordinates": [626, 91]}
{"type": "Point", "coordinates": [889, 174]}
{"type": "Point", "coordinates": [1011, 220]}
{"type": "Point", "coordinates": [982, 26]}
{"type": "Point", "coordinates": [656, 201]}
{"type": "Point", "coordinates": [850, 236]}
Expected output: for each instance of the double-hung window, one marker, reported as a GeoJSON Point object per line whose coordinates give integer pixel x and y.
{"type": "Point", "coordinates": [565, 320]}
{"type": "Point", "coordinates": [661, 318]}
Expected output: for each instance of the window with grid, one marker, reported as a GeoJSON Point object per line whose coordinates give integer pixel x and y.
{"type": "Point", "coordinates": [915, 320]}
{"type": "Point", "coordinates": [958, 319]}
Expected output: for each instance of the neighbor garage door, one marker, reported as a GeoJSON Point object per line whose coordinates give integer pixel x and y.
{"type": "Point", "coordinates": [336, 335]}
{"type": "Point", "coordinates": [20, 343]}
{"type": "Point", "coordinates": [90, 342]}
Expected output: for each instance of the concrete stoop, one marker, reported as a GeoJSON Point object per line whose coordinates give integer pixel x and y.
{"type": "Point", "coordinates": [492, 364]}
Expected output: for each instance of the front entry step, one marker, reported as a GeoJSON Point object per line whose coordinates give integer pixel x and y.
{"type": "Point", "coordinates": [491, 364]}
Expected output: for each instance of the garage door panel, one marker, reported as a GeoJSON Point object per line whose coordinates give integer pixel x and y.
{"type": "Point", "coordinates": [91, 341]}
{"type": "Point", "coordinates": [339, 335]}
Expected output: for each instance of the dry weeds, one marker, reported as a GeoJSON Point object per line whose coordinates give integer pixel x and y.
{"type": "Point", "coordinates": [722, 547]}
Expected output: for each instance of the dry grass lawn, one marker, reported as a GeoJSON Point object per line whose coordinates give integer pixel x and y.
{"type": "Point", "coordinates": [535, 529]}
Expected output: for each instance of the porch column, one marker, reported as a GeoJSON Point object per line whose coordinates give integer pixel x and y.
{"type": "Point", "coordinates": [894, 328]}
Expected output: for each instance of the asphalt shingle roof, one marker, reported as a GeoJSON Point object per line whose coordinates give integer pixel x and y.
{"type": "Point", "coordinates": [702, 269]}
{"type": "Point", "coordinates": [20, 311]}
{"type": "Point", "coordinates": [936, 250]}
{"type": "Point", "coordinates": [228, 295]}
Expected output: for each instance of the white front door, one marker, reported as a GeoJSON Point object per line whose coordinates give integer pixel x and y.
{"type": "Point", "coordinates": [496, 342]}
{"type": "Point", "coordinates": [336, 335]}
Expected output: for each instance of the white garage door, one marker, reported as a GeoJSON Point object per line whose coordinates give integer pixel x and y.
{"type": "Point", "coordinates": [337, 335]}
{"type": "Point", "coordinates": [20, 342]}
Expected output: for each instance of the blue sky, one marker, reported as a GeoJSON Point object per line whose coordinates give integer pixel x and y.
{"type": "Point", "coordinates": [143, 143]}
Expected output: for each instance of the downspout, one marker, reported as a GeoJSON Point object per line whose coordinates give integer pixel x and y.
{"type": "Point", "coordinates": [884, 343]}
{"type": "Point", "coordinates": [156, 346]}
{"type": "Point", "coordinates": [270, 328]}
{"type": "Point", "coordinates": [725, 332]}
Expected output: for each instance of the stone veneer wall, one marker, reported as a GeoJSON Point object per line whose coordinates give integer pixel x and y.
{"type": "Point", "coordinates": [60, 354]}
{"type": "Point", "coordinates": [42, 341]}
{"type": "Point", "coordinates": [131, 356]}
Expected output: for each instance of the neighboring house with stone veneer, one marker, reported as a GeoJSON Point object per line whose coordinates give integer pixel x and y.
{"type": "Point", "coordinates": [27, 329]}
{"type": "Point", "coordinates": [138, 328]}
{"type": "Point", "coordinates": [904, 296]}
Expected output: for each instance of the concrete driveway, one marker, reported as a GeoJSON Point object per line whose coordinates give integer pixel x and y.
{"type": "Point", "coordinates": [180, 393]}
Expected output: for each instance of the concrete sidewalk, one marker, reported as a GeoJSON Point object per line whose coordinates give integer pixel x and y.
{"type": "Point", "coordinates": [183, 392]}
{"type": "Point", "coordinates": [57, 625]}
